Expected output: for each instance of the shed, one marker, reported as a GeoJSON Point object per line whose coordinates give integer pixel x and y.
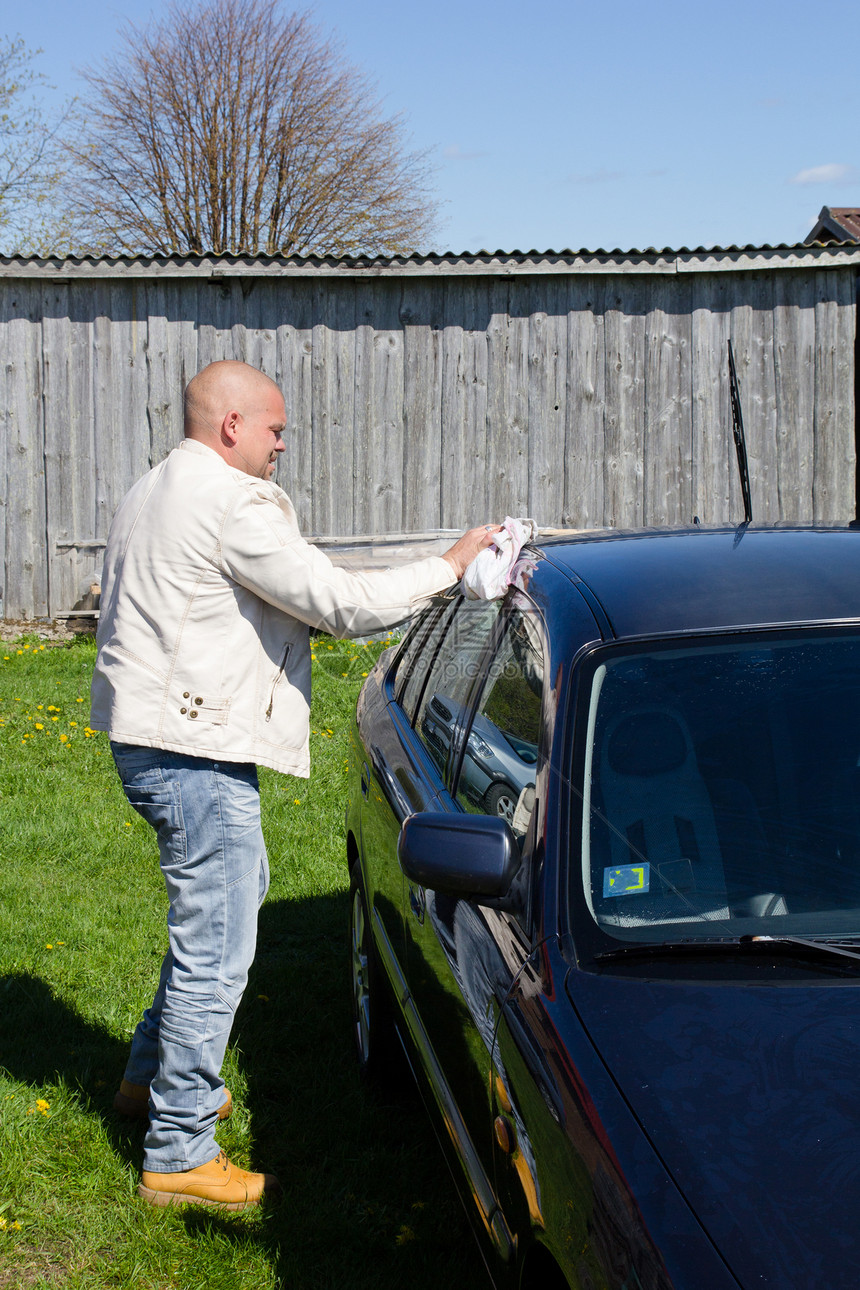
{"type": "Point", "coordinates": [430, 392]}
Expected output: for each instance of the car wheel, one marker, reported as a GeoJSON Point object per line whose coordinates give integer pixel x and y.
{"type": "Point", "coordinates": [372, 1020]}
{"type": "Point", "coordinates": [501, 799]}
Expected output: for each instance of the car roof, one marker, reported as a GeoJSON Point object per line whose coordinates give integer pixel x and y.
{"type": "Point", "coordinates": [657, 581]}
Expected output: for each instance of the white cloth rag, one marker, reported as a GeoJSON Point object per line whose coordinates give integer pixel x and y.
{"type": "Point", "coordinates": [489, 574]}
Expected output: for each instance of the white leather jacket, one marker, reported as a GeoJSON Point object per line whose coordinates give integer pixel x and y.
{"type": "Point", "coordinates": [207, 595]}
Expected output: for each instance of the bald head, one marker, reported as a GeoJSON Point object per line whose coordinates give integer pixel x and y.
{"type": "Point", "coordinates": [239, 412]}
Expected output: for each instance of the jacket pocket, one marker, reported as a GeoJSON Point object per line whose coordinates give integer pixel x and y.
{"type": "Point", "coordinates": [277, 681]}
{"type": "Point", "coordinates": [198, 707]}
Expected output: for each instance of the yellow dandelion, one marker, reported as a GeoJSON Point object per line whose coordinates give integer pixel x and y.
{"type": "Point", "coordinates": [39, 726]}
{"type": "Point", "coordinates": [42, 1104]}
{"type": "Point", "coordinates": [64, 739]}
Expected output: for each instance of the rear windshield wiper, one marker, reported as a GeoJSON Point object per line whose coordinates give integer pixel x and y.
{"type": "Point", "coordinates": [755, 944]}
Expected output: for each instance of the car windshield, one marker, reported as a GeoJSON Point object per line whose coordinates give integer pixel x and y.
{"type": "Point", "coordinates": [721, 789]}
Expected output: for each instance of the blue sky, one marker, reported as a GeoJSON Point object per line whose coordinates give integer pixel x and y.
{"type": "Point", "coordinates": [560, 125]}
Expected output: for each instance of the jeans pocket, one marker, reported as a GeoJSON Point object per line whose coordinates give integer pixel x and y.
{"type": "Point", "coordinates": [154, 795]}
{"type": "Point", "coordinates": [138, 765]}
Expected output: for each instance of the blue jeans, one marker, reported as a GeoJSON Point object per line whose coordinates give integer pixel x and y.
{"type": "Point", "coordinates": [206, 815]}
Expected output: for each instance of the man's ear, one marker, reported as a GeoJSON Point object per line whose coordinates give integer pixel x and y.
{"type": "Point", "coordinates": [230, 428]}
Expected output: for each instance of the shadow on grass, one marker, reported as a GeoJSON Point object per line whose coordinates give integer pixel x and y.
{"type": "Point", "coordinates": [368, 1201]}
{"type": "Point", "coordinates": [43, 1039]}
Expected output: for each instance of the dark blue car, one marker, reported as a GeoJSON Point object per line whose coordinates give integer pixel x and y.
{"type": "Point", "coordinates": [632, 1000]}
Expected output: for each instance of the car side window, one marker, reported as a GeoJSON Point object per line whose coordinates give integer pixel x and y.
{"type": "Point", "coordinates": [499, 764]}
{"type": "Point", "coordinates": [418, 654]}
{"type": "Point", "coordinates": [443, 710]}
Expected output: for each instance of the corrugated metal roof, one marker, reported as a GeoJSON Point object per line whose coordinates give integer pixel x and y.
{"type": "Point", "coordinates": [502, 263]}
{"type": "Point", "coordinates": [848, 217]}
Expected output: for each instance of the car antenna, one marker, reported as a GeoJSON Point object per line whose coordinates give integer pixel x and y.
{"type": "Point", "coordinates": [740, 441]}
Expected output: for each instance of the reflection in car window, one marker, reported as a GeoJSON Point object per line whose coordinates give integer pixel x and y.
{"type": "Point", "coordinates": [497, 774]}
{"type": "Point", "coordinates": [722, 789]}
{"type": "Point", "coordinates": [442, 710]}
{"type": "Point", "coordinates": [417, 657]}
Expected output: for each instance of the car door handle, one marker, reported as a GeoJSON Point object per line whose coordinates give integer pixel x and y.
{"type": "Point", "coordinates": [417, 902]}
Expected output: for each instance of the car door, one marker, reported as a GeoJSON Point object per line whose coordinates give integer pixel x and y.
{"type": "Point", "coordinates": [393, 779]}
{"type": "Point", "coordinates": [461, 957]}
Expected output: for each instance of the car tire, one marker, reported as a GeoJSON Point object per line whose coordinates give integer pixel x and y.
{"type": "Point", "coordinates": [372, 1017]}
{"type": "Point", "coordinates": [501, 799]}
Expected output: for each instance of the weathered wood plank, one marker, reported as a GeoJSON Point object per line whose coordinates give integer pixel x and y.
{"type": "Point", "coordinates": [379, 414]}
{"type": "Point", "coordinates": [333, 408]}
{"type": "Point", "coordinates": [293, 310]}
{"type": "Point", "coordinates": [586, 404]}
{"type": "Point", "coordinates": [507, 375]}
{"type": "Point", "coordinates": [547, 402]}
{"type": "Point", "coordinates": [25, 592]}
{"type": "Point", "coordinates": [760, 405]}
{"type": "Point", "coordinates": [120, 428]}
{"type": "Point", "coordinates": [67, 358]}
{"type": "Point", "coordinates": [668, 447]}
{"type": "Point", "coordinates": [464, 405]}
{"type": "Point", "coordinates": [624, 433]}
{"type": "Point", "coordinates": [172, 357]}
{"type": "Point", "coordinates": [714, 471]}
{"type": "Point", "coordinates": [794, 371]}
{"type": "Point", "coordinates": [834, 449]}
{"type": "Point", "coordinates": [421, 313]}
{"type": "Point", "coordinates": [255, 338]}
{"type": "Point", "coordinates": [220, 329]}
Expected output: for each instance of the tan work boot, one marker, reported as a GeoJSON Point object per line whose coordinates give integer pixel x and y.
{"type": "Point", "coordinates": [219, 1184]}
{"type": "Point", "coordinates": [133, 1100]}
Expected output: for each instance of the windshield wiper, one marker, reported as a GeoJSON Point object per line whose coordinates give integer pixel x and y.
{"type": "Point", "coordinates": [822, 947]}
{"type": "Point", "coordinates": [756, 944]}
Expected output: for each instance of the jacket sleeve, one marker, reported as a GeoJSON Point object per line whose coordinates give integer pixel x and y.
{"type": "Point", "coordinates": [261, 548]}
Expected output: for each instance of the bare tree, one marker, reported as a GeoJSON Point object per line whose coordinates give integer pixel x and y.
{"type": "Point", "coordinates": [31, 161]}
{"type": "Point", "coordinates": [228, 126]}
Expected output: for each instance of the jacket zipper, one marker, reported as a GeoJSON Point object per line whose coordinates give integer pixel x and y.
{"type": "Point", "coordinates": [277, 681]}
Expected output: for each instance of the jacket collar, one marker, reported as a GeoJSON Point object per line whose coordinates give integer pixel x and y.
{"type": "Point", "coordinates": [263, 487]}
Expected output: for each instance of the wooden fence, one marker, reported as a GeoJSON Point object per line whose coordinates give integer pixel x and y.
{"type": "Point", "coordinates": [428, 394]}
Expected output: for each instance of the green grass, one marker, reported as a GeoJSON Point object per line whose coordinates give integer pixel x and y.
{"type": "Point", "coordinates": [368, 1201]}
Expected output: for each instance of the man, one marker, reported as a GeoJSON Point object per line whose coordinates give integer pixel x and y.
{"type": "Point", "coordinates": [203, 673]}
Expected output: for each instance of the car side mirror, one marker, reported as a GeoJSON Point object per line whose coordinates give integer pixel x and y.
{"type": "Point", "coordinates": [461, 855]}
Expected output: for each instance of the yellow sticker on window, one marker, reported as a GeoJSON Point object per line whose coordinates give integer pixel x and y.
{"type": "Point", "coordinates": [627, 880]}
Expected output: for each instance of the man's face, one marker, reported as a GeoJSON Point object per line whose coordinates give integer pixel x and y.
{"type": "Point", "coordinates": [259, 434]}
